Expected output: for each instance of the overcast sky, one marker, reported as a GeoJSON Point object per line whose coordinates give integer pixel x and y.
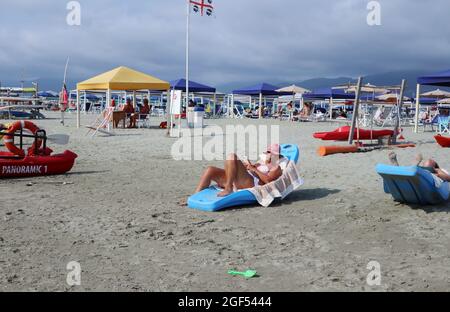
{"type": "Point", "coordinates": [246, 40]}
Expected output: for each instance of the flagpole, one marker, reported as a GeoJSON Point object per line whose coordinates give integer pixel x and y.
{"type": "Point", "coordinates": [188, 11]}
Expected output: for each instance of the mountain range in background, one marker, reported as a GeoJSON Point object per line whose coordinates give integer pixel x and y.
{"type": "Point", "coordinates": [382, 79]}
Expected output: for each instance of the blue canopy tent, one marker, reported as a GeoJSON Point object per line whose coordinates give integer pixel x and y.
{"type": "Point", "coordinates": [194, 87]}
{"type": "Point", "coordinates": [87, 96]}
{"type": "Point", "coordinates": [427, 101]}
{"type": "Point", "coordinates": [439, 79]}
{"type": "Point", "coordinates": [261, 90]}
{"type": "Point", "coordinates": [329, 93]}
{"type": "Point", "coordinates": [47, 94]}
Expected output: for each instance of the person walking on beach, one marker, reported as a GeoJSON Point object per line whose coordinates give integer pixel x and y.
{"type": "Point", "coordinates": [430, 165]}
{"type": "Point", "coordinates": [239, 175]}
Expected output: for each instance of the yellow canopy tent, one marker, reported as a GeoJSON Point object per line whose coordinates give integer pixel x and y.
{"type": "Point", "coordinates": [120, 79]}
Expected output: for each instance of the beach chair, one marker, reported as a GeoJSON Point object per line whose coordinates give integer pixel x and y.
{"type": "Point", "coordinates": [207, 200]}
{"type": "Point", "coordinates": [102, 123]}
{"type": "Point", "coordinates": [143, 121]}
{"type": "Point", "coordinates": [443, 124]}
{"type": "Point", "coordinates": [413, 185]}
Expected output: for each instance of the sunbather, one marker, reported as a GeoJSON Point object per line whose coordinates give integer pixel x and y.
{"type": "Point", "coordinates": [430, 165]}
{"type": "Point", "coordinates": [239, 175]}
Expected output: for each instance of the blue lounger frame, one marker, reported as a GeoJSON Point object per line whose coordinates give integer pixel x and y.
{"type": "Point", "coordinates": [413, 185]}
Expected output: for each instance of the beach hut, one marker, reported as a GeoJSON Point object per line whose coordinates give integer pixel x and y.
{"type": "Point", "coordinates": [439, 79]}
{"type": "Point", "coordinates": [262, 91]}
{"type": "Point", "coordinates": [120, 79]}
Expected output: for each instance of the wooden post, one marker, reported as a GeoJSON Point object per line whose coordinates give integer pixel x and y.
{"type": "Point", "coordinates": [399, 111]}
{"type": "Point", "coordinates": [331, 108]}
{"type": "Point", "coordinates": [416, 121]}
{"type": "Point", "coordinates": [214, 106]}
{"type": "Point", "coordinates": [260, 106]}
{"type": "Point", "coordinates": [355, 111]}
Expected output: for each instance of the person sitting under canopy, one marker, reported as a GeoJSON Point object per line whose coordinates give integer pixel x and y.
{"type": "Point", "coordinates": [131, 113]}
{"type": "Point", "coordinates": [239, 175]}
{"type": "Point", "coordinates": [145, 109]}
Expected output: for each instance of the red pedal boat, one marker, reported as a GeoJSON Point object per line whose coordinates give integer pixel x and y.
{"type": "Point", "coordinates": [343, 133]}
{"type": "Point", "coordinates": [37, 160]}
{"type": "Point", "coordinates": [443, 141]}
{"type": "Point", "coordinates": [12, 166]}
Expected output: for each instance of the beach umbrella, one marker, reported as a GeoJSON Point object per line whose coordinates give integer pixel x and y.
{"type": "Point", "coordinates": [368, 88]}
{"type": "Point", "coordinates": [437, 94]}
{"type": "Point", "coordinates": [294, 89]}
{"type": "Point", "coordinates": [391, 97]}
{"type": "Point", "coordinates": [444, 101]}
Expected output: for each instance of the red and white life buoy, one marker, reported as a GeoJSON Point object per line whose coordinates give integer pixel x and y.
{"type": "Point", "coordinates": [9, 138]}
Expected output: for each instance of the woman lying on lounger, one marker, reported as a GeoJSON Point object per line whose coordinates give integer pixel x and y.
{"type": "Point", "coordinates": [429, 165]}
{"type": "Point", "coordinates": [239, 175]}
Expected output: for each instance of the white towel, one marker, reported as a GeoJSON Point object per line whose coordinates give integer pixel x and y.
{"type": "Point", "coordinates": [289, 182]}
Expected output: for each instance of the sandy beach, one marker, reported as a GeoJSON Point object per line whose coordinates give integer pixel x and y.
{"type": "Point", "coordinates": [118, 214]}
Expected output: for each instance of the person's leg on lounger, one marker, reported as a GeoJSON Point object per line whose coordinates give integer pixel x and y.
{"type": "Point", "coordinates": [436, 170]}
{"type": "Point", "coordinates": [234, 175]}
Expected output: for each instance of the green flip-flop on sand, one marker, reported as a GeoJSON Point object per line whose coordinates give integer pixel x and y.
{"type": "Point", "coordinates": [247, 274]}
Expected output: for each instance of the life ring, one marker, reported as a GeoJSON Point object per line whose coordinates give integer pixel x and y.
{"type": "Point", "coordinates": [9, 138]}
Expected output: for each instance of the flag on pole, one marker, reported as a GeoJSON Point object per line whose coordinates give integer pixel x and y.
{"type": "Point", "coordinates": [203, 7]}
{"type": "Point", "coordinates": [64, 97]}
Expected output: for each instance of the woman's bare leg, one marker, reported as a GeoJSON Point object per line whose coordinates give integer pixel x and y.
{"type": "Point", "coordinates": [236, 175]}
{"type": "Point", "coordinates": [419, 159]}
{"type": "Point", "coordinates": [211, 174]}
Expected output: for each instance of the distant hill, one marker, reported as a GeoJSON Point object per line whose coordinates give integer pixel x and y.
{"type": "Point", "coordinates": [382, 79]}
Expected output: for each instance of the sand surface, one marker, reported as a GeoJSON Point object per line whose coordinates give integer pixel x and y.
{"type": "Point", "coordinates": [119, 217]}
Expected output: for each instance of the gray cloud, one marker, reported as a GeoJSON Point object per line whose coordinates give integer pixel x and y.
{"type": "Point", "coordinates": [247, 40]}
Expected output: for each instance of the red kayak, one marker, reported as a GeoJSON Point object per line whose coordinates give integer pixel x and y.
{"type": "Point", "coordinates": [343, 133]}
{"type": "Point", "coordinates": [443, 141]}
{"type": "Point", "coordinates": [12, 166]}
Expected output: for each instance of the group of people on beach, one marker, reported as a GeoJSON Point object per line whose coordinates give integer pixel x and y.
{"type": "Point", "coordinates": [134, 114]}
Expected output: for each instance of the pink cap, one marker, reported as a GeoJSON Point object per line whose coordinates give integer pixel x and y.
{"type": "Point", "coordinates": [274, 149]}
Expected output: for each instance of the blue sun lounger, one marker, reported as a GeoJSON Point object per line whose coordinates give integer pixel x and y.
{"type": "Point", "coordinates": [413, 185]}
{"type": "Point", "coordinates": [207, 200]}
